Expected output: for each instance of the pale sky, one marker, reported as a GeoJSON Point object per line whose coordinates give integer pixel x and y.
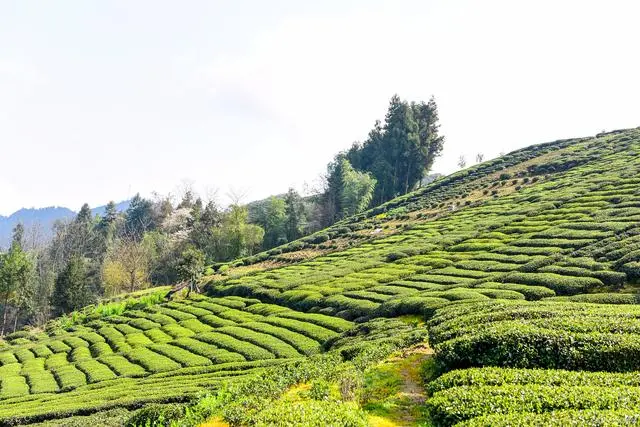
{"type": "Point", "coordinates": [102, 99]}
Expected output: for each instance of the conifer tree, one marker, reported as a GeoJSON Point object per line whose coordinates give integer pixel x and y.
{"type": "Point", "coordinates": [294, 215]}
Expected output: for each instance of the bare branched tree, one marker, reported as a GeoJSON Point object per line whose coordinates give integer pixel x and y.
{"type": "Point", "coordinates": [237, 195]}
{"type": "Point", "coordinates": [134, 257]}
{"type": "Point", "coordinates": [462, 161]}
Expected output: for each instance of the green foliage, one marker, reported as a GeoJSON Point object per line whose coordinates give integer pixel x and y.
{"type": "Point", "coordinates": [156, 415]}
{"type": "Point", "coordinates": [531, 293]}
{"type": "Point", "coordinates": [400, 151]}
{"type": "Point", "coordinates": [248, 350]}
{"type": "Point", "coordinates": [348, 191]}
{"type": "Point", "coordinates": [602, 298]}
{"type": "Point", "coordinates": [274, 345]}
{"type": "Point", "coordinates": [312, 413]}
{"type": "Point", "coordinates": [563, 285]}
{"type": "Point", "coordinates": [531, 398]}
{"type": "Point", "coordinates": [191, 265]}
{"type": "Point", "coordinates": [150, 360]}
{"type": "Point", "coordinates": [559, 418]}
{"type": "Point", "coordinates": [463, 267]}
{"type": "Point", "coordinates": [518, 334]}
{"type": "Point", "coordinates": [474, 377]}
{"type": "Point", "coordinates": [73, 286]}
{"type": "Point", "coordinates": [69, 377]}
{"type": "Point", "coordinates": [272, 217]}
{"type": "Point", "coordinates": [16, 279]}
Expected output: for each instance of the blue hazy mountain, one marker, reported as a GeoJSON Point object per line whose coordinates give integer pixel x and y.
{"type": "Point", "coordinates": [44, 217]}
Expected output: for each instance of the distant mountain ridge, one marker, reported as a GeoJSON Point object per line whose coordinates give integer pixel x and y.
{"type": "Point", "coordinates": [45, 217]}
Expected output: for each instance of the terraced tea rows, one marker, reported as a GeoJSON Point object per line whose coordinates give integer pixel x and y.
{"type": "Point", "coordinates": [537, 335]}
{"type": "Point", "coordinates": [570, 233]}
{"type": "Point", "coordinates": [190, 346]}
{"type": "Point", "coordinates": [526, 269]}
{"type": "Point", "coordinates": [504, 279]}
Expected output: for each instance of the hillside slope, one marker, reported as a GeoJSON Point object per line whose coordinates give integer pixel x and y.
{"type": "Point", "coordinates": [514, 264]}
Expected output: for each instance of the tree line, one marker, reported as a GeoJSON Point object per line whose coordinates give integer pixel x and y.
{"type": "Point", "coordinates": [392, 161]}
{"type": "Point", "coordinates": [156, 241]}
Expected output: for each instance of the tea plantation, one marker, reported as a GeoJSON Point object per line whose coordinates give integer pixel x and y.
{"type": "Point", "coordinates": [521, 273]}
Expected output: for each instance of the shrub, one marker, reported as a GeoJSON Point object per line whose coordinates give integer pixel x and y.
{"type": "Point", "coordinates": [394, 256]}
{"type": "Point", "coordinates": [441, 279]}
{"type": "Point", "coordinates": [41, 381]}
{"type": "Point", "coordinates": [177, 331]}
{"type": "Point", "coordinates": [632, 269]}
{"type": "Point", "coordinates": [530, 293]}
{"type": "Point", "coordinates": [500, 293]}
{"type": "Point", "coordinates": [121, 366]}
{"type": "Point", "coordinates": [524, 250]}
{"type": "Point", "coordinates": [158, 336]}
{"type": "Point", "coordinates": [100, 349]}
{"type": "Point", "coordinates": [354, 307]}
{"type": "Point", "coordinates": [7, 357]}
{"type": "Point", "coordinates": [217, 355]}
{"type": "Point", "coordinates": [91, 337]}
{"type": "Point", "coordinates": [156, 415]}
{"type": "Point", "coordinates": [178, 315]}
{"type": "Point", "coordinates": [303, 344]}
{"type": "Point", "coordinates": [215, 321]}
{"type": "Point", "coordinates": [195, 325]}
{"type": "Point", "coordinates": [477, 401]}
{"type": "Point", "coordinates": [41, 351]}
{"type": "Point", "coordinates": [180, 355]}
{"type": "Point", "coordinates": [126, 329]}
{"type": "Point", "coordinates": [552, 377]}
{"type": "Point", "coordinates": [320, 238]}
{"type": "Point", "coordinates": [14, 386]}
{"type": "Point", "coordinates": [613, 278]}
{"type": "Point", "coordinates": [248, 350]}
{"type": "Point", "coordinates": [312, 413]}
{"type": "Point", "coordinates": [150, 360]}
{"type": "Point", "coordinates": [138, 339]}
{"type": "Point", "coordinates": [486, 266]}
{"type": "Point", "coordinates": [73, 342]}
{"type": "Point", "coordinates": [518, 345]}
{"type": "Point", "coordinates": [143, 324]}
{"type": "Point", "coordinates": [475, 246]}
{"type": "Point", "coordinates": [95, 371]}
{"type": "Point", "coordinates": [312, 331]}
{"type": "Point", "coordinates": [238, 316]}
{"type": "Point", "coordinates": [562, 418]}
{"type": "Point", "coordinates": [563, 285]}
{"type": "Point", "coordinates": [16, 335]}
{"type": "Point", "coordinates": [333, 323]}
{"type": "Point", "coordinates": [80, 353]}
{"type": "Point", "coordinates": [23, 354]}
{"type": "Point", "coordinates": [272, 344]}
{"type": "Point", "coordinates": [69, 377]}
{"type": "Point", "coordinates": [456, 294]}
{"type": "Point", "coordinates": [161, 319]}
{"type": "Point", "coordinates": [421, 305]}
{"type": "Point", "coordinates": [56, 360]}
{"type": "Point", "coordinates": [604, 298]}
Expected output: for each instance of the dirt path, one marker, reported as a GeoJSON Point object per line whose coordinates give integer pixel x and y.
{"type": "Point", "coordinates": [412, 387]}
{"type": "Point", "coordinates": [407, 401]}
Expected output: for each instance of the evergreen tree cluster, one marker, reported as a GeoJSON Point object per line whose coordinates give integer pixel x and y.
{"type": "Point", "coordinates": [392, 161]}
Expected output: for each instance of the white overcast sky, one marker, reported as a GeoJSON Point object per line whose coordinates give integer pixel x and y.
{"type": "Point", "coordinates": [102, 99]}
